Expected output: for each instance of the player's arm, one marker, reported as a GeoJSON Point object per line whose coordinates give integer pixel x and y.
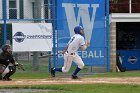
{"type": "Point", "coordinates": [84, 47]}
{"type": "Point", "coordinates": [12, 60]}
{"type": "Point", "coordinates": [65, 49]}
{"type": "Point", "coordinates": [84, 44]}
{"type": "Point", "coordinates": [20, 66]}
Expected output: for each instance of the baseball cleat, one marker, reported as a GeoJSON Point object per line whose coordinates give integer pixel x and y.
{"type": "Point", "coordinates": [6, 79]}
{"type": "Point", "coordinates": [74, 77]}
{"type": "Point", "coordinates": [52, 72]}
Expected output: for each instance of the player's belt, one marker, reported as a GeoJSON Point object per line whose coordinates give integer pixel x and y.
{"type": "Point", "coordinates": [70, 53]}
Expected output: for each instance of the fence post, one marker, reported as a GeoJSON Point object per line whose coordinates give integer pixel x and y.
{"type": "Point", "coordinates": [49, 20]}
{"type": "Point", "coordinates": [108, 35]}
{"type": "Point", "coordinates": [5, 18]}
{"type": "Point", "coordinates": [54, 33]}
{"type": "Point", "coordinates": [35, 63]}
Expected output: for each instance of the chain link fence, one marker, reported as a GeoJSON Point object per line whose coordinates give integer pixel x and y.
{"type": "Point", "coordinates": [26, 11]}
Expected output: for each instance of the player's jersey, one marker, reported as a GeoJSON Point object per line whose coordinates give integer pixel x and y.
{"type": "Point", "coordinates": [6, 59]}
{"type": "Point", "coordinates": [75, 42]}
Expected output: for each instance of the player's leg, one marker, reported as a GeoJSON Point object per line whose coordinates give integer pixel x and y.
{"type": "Point", "coordinates": [53, 70]}
{"type": "Point", "coordinates": [2, 68]}
{"type": "Point", "coordinates": [9, 71]}
{"type": "Point", "coordinates": [67, 64]}
{"type": "Point", "coordinates": [80, 65]}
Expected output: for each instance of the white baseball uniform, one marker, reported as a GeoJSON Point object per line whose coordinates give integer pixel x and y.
{"type": "Point", "coordinates": [70, 55]}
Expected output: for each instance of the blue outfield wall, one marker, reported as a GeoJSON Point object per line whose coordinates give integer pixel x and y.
{"type": "Point", "coordinates": [91, 15]}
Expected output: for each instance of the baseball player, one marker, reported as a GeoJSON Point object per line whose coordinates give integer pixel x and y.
{"type": "Point", "coordinates": [70, 53]}
{"type": "Point", "coordinates": [5, 59]}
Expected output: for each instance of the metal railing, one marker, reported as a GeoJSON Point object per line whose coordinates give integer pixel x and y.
{"type": "Point", "coordinates": [124, 6]}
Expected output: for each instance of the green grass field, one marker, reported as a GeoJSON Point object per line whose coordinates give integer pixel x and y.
{"type": "Point", "coordinates": [75, 88]}
{"type": "Point", "coordinates": [43, 72]}
{"type": "Point", "coordinates": [42, 75]}
{"type": "Point", "coordinates": [86, 88]}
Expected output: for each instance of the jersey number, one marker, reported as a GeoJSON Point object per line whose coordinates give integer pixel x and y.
{"type": "Point", "coordinates": [72, 39]}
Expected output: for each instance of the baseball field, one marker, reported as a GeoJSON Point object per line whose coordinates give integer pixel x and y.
{"type": "Point", "coordinates": [29, 81]}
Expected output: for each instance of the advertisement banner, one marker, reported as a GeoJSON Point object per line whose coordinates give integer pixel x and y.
{"type": "Point", "coordinates": [32, 37]}
{"type": "Point", "coordinates": [91, 15]}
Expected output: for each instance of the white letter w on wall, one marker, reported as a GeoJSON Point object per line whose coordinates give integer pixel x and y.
{"type": "Point", "coordinates": [83, 15]}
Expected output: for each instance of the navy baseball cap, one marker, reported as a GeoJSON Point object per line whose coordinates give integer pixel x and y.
{"type": "Point", "coordinates": [77, 29]}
